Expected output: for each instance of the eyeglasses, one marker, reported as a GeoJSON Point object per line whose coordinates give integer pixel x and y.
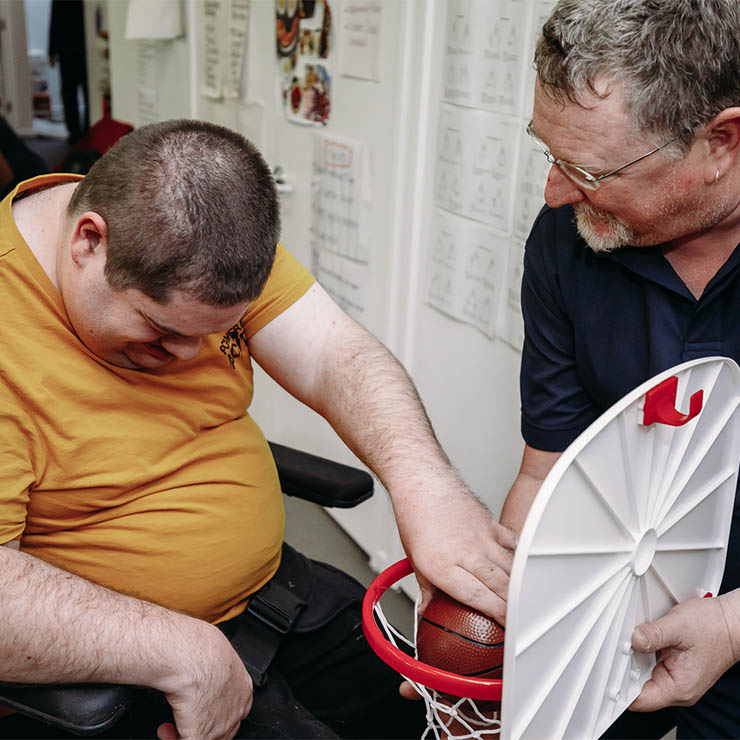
{"type": "Point", "coordinates": [581, 177]}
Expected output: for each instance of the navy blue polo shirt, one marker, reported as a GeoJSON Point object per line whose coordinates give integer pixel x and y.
{"type": "Point", "coordinates": [599, 325]}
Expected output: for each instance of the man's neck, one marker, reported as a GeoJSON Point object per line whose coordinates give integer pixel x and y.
{"type": "Point", "coordinates": [697, 258]}
{"type": "Point", "coordinates": [40, 219]}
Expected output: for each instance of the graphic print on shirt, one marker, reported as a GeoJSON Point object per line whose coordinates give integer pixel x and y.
{"type": "Point", "coordinates": [233, 344]}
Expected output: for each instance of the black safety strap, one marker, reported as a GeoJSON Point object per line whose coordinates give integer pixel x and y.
{"type": "Point", "coordinates": [271, 612]}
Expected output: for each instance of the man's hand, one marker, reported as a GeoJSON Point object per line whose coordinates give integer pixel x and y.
{"type": "Point", "coordinates": [215, 695]}
{"type": "Point", "coordinates": [84, 633]}
{"type": "Point", "coordinates": [456, 545]}
{"type": "Point", "coordinates": [698, 641]}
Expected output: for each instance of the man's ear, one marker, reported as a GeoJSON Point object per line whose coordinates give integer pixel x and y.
{"type": "Point", "coordinates": [723, 142]}
{"type": "Point", "coordinates": [89, 237]}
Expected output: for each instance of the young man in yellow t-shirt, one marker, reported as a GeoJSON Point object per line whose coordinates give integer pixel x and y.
{"type": "Point", "coordinates": [139, 502]}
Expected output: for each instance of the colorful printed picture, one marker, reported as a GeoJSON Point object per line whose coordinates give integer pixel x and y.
{"type": "Point", "coordinates": [303, 33]}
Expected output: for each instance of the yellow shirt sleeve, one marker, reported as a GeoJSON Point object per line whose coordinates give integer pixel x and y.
{"type": "Point", "coordinates": [288, 281]}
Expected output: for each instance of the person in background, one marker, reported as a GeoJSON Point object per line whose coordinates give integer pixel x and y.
{"type": "Point", "coordinates": [17, 161]}
{"type": "Point", "coordinates": [67, 46]}
{"type": "Point", "coordinates": [633, 267]}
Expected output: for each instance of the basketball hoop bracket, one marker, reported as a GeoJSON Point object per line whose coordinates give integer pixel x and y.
{"type": "Point", "coordinates": [660, 404]}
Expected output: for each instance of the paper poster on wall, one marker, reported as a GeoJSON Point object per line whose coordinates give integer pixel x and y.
{"type": "Point", "coordinates": [154, 19]}
{"type": "Point", "coordinates": [487, 168]}
{"type": "Point", "coordinates": [341, 202]}
{"type": "Point", "coordinates": [213, 24]}
{"type": "Point", "coordinates": [529, 188]}
{"type": "Point", "coordinates": [341, 197]}
{"type": "Point", "coordinates": [359, 41]}
{"type": "Point", "coordinates": [345, 280]}
{"type": "Point", "coordinates": [238, 29]}
{"type": "Point", "coordinates": [511, 324]}
{"type": "Point", "coordinates": [466, 271]}
{"type": "Point", "coordinates": [542, 10]}
{"type": "Point", "coordinates": [485, 44]}
{"type": "Point", "coordinates": [304, 49]}
{"type": "Point", "coordinates": [224, 31]}
{"type": "Point", "coordinates": [475, 162]}
{"type": "Point", "coordinates": [147, 106]}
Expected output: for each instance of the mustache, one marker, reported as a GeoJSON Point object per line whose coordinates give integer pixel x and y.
{"type": "Point", "coordinates": [591, 213]}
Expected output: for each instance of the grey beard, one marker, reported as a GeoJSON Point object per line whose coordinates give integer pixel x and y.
{"type": "Point", "coordinates": [618, 235]}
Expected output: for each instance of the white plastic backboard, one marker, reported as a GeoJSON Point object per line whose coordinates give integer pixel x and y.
{"type": "Point", "coordinates": [631, 520]}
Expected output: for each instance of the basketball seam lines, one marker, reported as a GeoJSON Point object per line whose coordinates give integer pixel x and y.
{"type": "Point", "coordinates": [484, 670]}
{"type": "Point", "coordinates": [464, 637]}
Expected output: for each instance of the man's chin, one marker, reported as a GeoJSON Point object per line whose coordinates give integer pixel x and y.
{"type": "Point", "coordinates": [142, 357]}
{"type": "Point", "coordinates": [600, 230]}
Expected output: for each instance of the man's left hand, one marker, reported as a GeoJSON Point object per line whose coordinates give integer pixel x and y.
{"type": "Point", "coordinates": [698, 642]}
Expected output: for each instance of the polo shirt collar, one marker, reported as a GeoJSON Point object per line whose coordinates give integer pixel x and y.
{"type": "Point", "coordinates": [649, 263]}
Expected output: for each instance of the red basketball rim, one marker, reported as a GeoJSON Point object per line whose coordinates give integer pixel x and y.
{"type": "Point", "coordinates": [435, 678]}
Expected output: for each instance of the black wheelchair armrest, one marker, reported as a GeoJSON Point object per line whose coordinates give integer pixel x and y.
{"type": "Point", "coordinates": [90, 709]}
{"type": "Point", "coordinates": [320, 480]}
{"type": "Point", "coordinates": [82, 709]}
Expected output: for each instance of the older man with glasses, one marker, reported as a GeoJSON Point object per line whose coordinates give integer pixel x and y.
{"type": "Point", "coordinates": [632, 267]}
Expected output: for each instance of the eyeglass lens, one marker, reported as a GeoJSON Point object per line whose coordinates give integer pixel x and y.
{"type": "Point", "coordinates": [575, 174]}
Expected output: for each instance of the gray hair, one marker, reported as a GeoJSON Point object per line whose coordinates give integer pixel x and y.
{"type": "Point", "coordinates": [677, 60]}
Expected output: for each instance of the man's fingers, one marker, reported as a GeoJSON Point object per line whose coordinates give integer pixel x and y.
{"type": "Point", "coordinates": [407, 691]}
{"type": "Point", "coordinates": [468, 589]}
{"type": "Point", "coordinates": [493, 572]}
{"type": "Point", "coordinates": [648, 700]}
{"type": "Point", "coordinates": [657, 692]}
{"type": "Point", "coordinates": [506, 537]}
{"type": "Point", "coordinates": [471, 590]}
{"type": "Point", "coordinates": [653, 636]}
{"type": "Point", "coordinates": [167, 731]}
{"type": "Point", "coordinates": [426, 591]}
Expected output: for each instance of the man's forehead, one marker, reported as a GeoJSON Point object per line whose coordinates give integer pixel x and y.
{"type": "Point", "coordinates": [567, 126]}
{"type": "Point", "coordinates": [186, 315]}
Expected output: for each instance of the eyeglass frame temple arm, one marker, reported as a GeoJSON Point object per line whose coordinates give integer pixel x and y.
{"type": "Point", "coordinates": [589, 177]}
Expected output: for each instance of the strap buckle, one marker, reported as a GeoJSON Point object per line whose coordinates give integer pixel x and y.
{"type": "Point", "coordinates": [276, 606]}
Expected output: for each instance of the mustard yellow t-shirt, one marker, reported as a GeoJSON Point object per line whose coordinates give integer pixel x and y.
{"type": "Point", "coordinates": [156, 483]}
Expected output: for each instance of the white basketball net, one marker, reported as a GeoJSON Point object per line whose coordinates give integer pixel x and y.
{"type": "Point", "coordinates": [461, 720]}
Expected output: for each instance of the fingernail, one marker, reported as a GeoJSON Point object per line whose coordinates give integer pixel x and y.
{"type": "Point", "coordinates": [643, 639]}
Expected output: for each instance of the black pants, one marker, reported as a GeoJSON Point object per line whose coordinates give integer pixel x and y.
{"type": "Point", "coordinates": [642, 725]}
{"type": "Point", "coordinates": [73, 72]}
{"type": "Point", "coordinates": [324, 682]}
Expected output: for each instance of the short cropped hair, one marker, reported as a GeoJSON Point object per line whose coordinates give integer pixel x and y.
{"type": "Point", "coordinates": [189, 205]}
{"type": "Point", "coordinates": [677, 60]}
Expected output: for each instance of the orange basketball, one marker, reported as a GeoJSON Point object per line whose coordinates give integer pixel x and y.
{"type": "Point", "coordinates": [460, 639]}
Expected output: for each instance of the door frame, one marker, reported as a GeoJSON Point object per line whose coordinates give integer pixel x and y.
{"type": "Point", "coordinates": [15, 73]}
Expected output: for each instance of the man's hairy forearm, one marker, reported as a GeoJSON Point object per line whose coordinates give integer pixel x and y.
{"type": "Point", "coordinates": [373, 405]}
{"type": "Point", "coordinates": [58, 628]}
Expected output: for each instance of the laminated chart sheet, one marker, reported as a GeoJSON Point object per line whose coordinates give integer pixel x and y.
{"type": "Point", "coordinates": [341, 199]}
{"type": "Point", "coordinates": [480, 176]}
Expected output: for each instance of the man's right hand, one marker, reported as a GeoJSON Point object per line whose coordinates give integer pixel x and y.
{"type": "Point", "coordinates": [60, 628]}
{"type": "Point", "coordinates": [211, 699]}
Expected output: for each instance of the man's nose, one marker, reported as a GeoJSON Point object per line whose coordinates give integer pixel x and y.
{"type": "Point", "coordinates": [560, 190]}
{"type": "Point", "coordinates": [184, 348]}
